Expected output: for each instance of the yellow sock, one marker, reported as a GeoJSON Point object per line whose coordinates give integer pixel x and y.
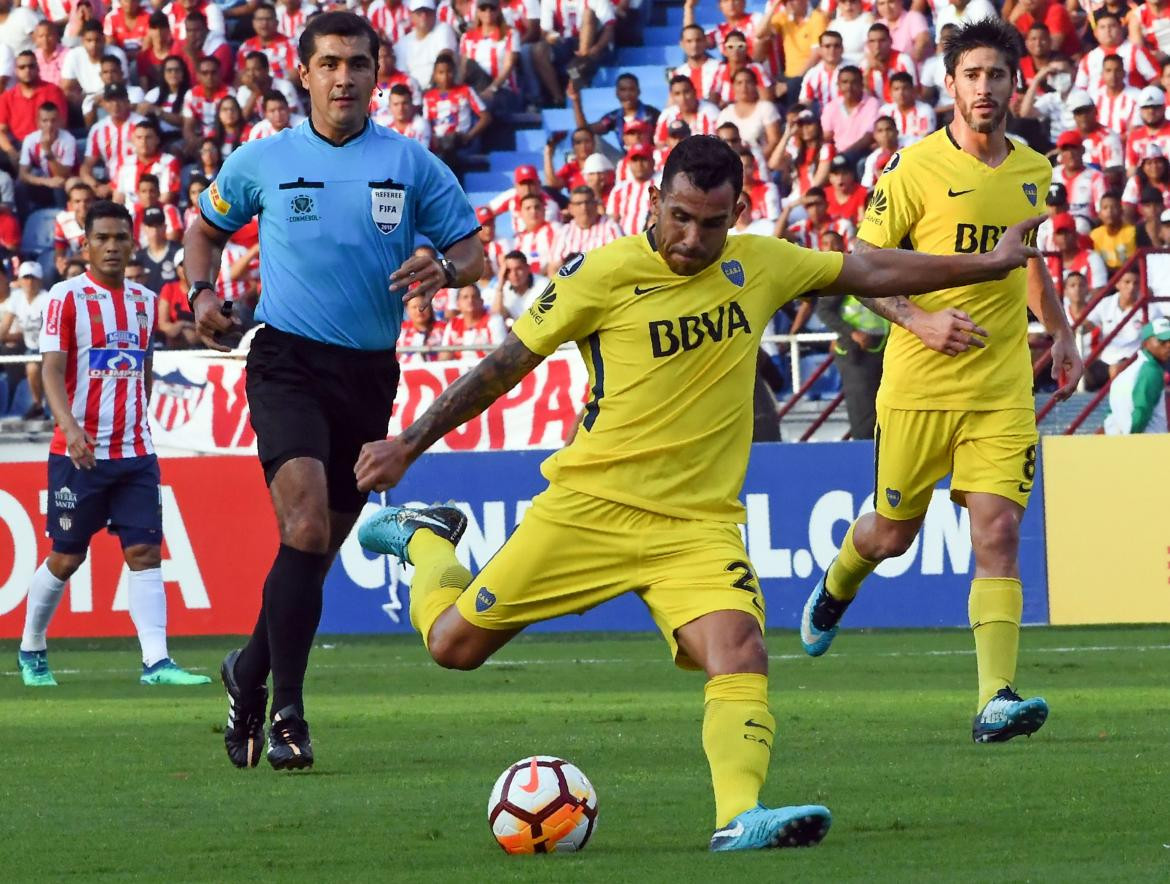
{"type": "Point", "coordinates": [738, 731]}
{"type": "Point", "coordinates": [438, 579]}
{"type": "Point", "coordinates": [848, 570]}
{"type": "Point", "coordinates": [994, 608]}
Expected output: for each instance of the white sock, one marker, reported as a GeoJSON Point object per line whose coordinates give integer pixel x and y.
{"type": "Point", "coordinates": [148, 610]}
{"type": "Point", "coordinates": [44, 593]}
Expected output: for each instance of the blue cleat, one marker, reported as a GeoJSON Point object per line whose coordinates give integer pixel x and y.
{"type": "Point", "coordinates": [1008, 715]}
{"type": "Point", "coordinates": [819, 619]}
{"type": "Point", "coordinates": [763, 827]}
{"type": "Point", "coordinates": [389, 530]}
{"type": "Point", "coordinates": [167, 671]}
{"type": "Point", "coordinates": [34, 669]}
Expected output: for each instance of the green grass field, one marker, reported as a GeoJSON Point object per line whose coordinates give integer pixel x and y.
{"type": "Point", "coordinates": [103, 779]}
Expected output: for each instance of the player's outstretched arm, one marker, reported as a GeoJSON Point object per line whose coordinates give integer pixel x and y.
{"type": "Point", "coordinates": [382, 464]}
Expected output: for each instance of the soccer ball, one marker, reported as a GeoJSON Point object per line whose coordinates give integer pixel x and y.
{"type": "Point", "coordinates": [542, 804]}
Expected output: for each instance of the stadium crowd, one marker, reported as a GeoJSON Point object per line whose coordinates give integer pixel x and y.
{"type": "Point", "coordinates": [141, 103]}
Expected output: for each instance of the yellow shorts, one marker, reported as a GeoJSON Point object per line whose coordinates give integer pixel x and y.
{"type": "Point", "coordinates": [573, 551]}
{"type": "Point", "coordinates": [984, 451]}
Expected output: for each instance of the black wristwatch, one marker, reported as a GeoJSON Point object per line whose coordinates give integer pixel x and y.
{"type": "Point", "coordinates": [193, 292]}
{"type": "Point", "coordinates": [449, 271]}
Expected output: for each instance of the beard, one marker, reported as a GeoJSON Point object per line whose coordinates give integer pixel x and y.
{"type": "Point", "coordinates": [983, 127]}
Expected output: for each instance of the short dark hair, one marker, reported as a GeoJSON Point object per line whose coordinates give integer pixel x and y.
{"type": "Point", "coordinates": [266, 6]}
{"type": "Point", "coordinates": [336, 24]}
{"type": "Point", "coordinates": [516, 255]}
{"type": "Point", "coordinates": [149, 123]}
{"type": "Point", "coordinates": [273, 95]}
{"type": "Point", "coordinates": [817, 192]}
{"type": "Point", "coordinates": [989, 33]}
{"type": "Point", "coordinates": [79, 185]}
{"type": "Point", "coordinates": [1106, 14]}
{"type": "Point", "coordinates": [401, 89]}
{"type": "Point", "coordinates": [830, 33]}
{"type": "Point", "coordinates": [706, 161]}
{"type": "Point", "coordinates": [735, 33]}
{"type": "Point", "coordinates": [1110, 195]}
{"type": "Point", "coordinates": [530, 197]}
{"type": "Point", "coordinates": [680, 79]}
{"type": "Point", "coordinates": [901, 77]}
{"type": "Point", "coordinates": [1113, 56]}
{"type": "Point", "coordinates": [108, 58]}
{"type": "Point", "coordinates": [158, 20]}
{"type": "Point", "coordinates": [29, 52]}
{"type": "Point", "coordinates": [198, 16]}
{"type": "Point", "coordinates": [583, 190]}
{"type": "Point", "coordinates": [850, 69]}
{"type": "Point", "coordinates": [878, 26]}
{"type": "Point", "coordinates": [628, 76]}
{"type": "Point", "coordinates": [1039, 26]}
{"type": "Point", "coordinates": [107, 209]}
{"type": "Point", "coordinates": [445, 57]}
{"type": "Point", "coordinates": [90, 26]}
{"type": "Point", "coordinates": [255, 55]}
{"type": "Point", "coordinates": [47, 106]}
{"type": "Point", "coordinates": [749, 72]}
{"type": "Point", "coordinates": [147, 178]}
{"type": "Point", "coordinates": [691, 27]}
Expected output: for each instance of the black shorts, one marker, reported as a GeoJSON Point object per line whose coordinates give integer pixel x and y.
{"type": "Point", "coordinates": [312, 399]}
{"type": "Point", "coordinates": [121, 494]}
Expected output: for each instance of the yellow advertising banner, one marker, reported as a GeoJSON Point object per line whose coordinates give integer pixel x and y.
{"type": "Point", "coordinates": [1107, 527]}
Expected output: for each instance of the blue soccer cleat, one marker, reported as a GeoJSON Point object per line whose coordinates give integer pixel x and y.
{"type": "Point", "coordinates": [819, 619]}
{"type": "Point", "coordinates": [34, 669]}
{"type": "Point", "coordinates": [389, 530]}
{"type": "Point", "coordinates": [763, 827]}
{"type": "Point", "coordinates": [167, 671]}
{"type": "Point", "coordinates": [1008, 715]}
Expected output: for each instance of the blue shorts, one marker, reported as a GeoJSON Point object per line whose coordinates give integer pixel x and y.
{"type": "Point", "coordinates": [123, 494]}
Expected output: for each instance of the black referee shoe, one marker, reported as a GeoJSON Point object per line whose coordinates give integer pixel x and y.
{"type": "Point", "coordinates": [244, 735]}
{"type": "Point", "coordinates": [289, 747]}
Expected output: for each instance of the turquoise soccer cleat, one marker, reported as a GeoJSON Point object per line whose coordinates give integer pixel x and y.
{"type": "Point", "coordinates": [167, 671]}
{"type": "Point", "coordinates": [764, 827]}
{"type": "Point", "coordinates": [389, 530]}
{"type": "Point", "coordinates": [1008, 715]}
{"type": "Point", "coordinates": [819, 619]}
{"type": "Point", "coordinates": [34, 669]}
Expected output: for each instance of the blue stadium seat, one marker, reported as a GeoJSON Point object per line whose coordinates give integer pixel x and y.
{"type": "Point", "coordinates": [508, 160]}
{"type": "Point", "coordinates": [21, 399]}
{"type": "Point", "coordinates": [3, 392]}
{"type": "Point", "coordinates": [530, 140]}
{"type": "Point", "coordinates": [38, 231]}
{"type": "Point", "coordinates": [493, 181]}
{"type": "Point", "coordinates": [504, 228]}
{"type": "Point", "coordinates": [479, 198]}
{"type": "Point", "coordinates": [561, 119]}
{"type": "Point", "coordinates": [646, 73]}
{"type": "Point", "coordinates": [637, 56]}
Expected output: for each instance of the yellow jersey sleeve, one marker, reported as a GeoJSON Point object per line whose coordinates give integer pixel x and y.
{"type": "Point", "coordinates": [893, 207]}
{"type": "Point", "coordinates": [804, 271]}
{"type": "Point", "coordinates": [570, 308]}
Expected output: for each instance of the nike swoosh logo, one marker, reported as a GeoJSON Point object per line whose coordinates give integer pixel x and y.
{"type": "Point", "coordinates": [427, 520]}
{"type": "Point", "coordinates": [533, 778]}
{"type": "Point", "coordinates": [734, 832]}
{"type": "Point", "coordinates": [750, 723]}
{"type": "Point", "coordinates": [958, 192]}
{"type": "Point", "coordinates": [638, 290]}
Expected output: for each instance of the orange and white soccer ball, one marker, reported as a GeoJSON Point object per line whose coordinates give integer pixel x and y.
{"type": "Point", "coordinates": [542, 804]}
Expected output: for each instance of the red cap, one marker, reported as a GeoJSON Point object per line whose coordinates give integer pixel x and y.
{"type": "Point", "coordinates": [1069, 139]}
{"type": "Point", "coordinates": [1063, 221]}
{"type": "Point", "coordinates": [526, 173]}
{"type": "Point", "coordinates": [636, 127]}
{"type": "Point", "coordinates": [483, 215]}
{"type": "Point", "coordinates": [641, 150]}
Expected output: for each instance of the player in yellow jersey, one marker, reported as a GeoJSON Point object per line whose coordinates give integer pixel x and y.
{"type": "Point", "coordinates": [645, 498]}
{"type": "Point", "coordinates": [969, 414]}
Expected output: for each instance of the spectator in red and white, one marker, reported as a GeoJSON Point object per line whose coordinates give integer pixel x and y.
{"type": "Point", "coordinates": [527, 181]}
{"type": "Point", "coordinates": [111, 75]}
{"type": "Point", "coordinates": [155, 49]}
{"type": "Point", "coordinates": [570, 174]}
{"type": "Point", "coordinates": [1152, 173]}
{"type": "Point", "coordinates": [518, 288]}
{"type": "Point", "coordinates": [845, 197]}
{"type": "Point", "coordinates": [599, 176]}
{"type": "Point", "coordinates": [126, 26]}
{"type": "Point", "coordinates": [17, 24]}
{"type": "Point", "coordinates": [885, 134]}
{"type": "Point", "coordinates": [908, 29]}
{"type": "Point", "coordinates": [1140, 67]}
{"type": "Point", "coordinates": [456, 113]}
{"type": "Point", "coordinates": [231, 129]}
{"type": "Point", "coordinates": [932, 75]}
{"type": "Point", "coordinates": [803, 155]}
{"type": "Point", "coordinates": [675, 133]}
{"type": "Point", "coordinates": [148, 195]}
{"type": "Point", "coordinates": [819, 85]}
{"type": "Point", "coordinates": [1111, 313]}
{"type": "Point", "coordinates": [735, 53]}
{"type": "Point", "coordinates": [1037, 52]}
{"type": "Point", "coordinates": [179, 12]}
{"type": "Point", "coordinates": [50, 54]}
{"type": "Point", "coordinates": [756, 118]}
{"type": "Point", "coordinates": [914, 119]}
{"type": "Point", "coordinates": [459, 14]}
{"type": "Point", "coordinates": [401, 116]}
{"type": "Point", "coordinates": [634, 132]}
{"type": "Point", "coordinates": [380, 17]}
{"type": "Point", "coordinates": [1103, 147]}
{"type": "Point", "coordinates": [849, 118]}
{"type": "Point", "coordinates": [765, 196]}
{"type": "Point", "coordinates": [1149, 25]}
{"type": "Point", "coordinates": [165, 101]}
{"type": "Point", "coordinates": [852, 22]}
{"type": "Point", "coordinates": [293, 15]}
{"type": "Point", "coordinates": [281, 53]}
{"type": "Point", "coordinates": [1075, 253]}
{"type": "Point", "coordinates": [277, 117]}
{"type": "Point", "coordinates": [568, 45]}
{"type": "Point", "coordinates": [882, 61]}
{"type": "Point", "coordinates": [489, 52]}
{"type": "Point", "coordinates": [1152, 232]}
{"type": "Point", "coordinates": [156, 251]}
{"type": "Point", "coordinates": [200, 105]}
{"type": "Point", "coordinates": [810, 230]}
{"type": "Point", "coordinates": [147, 159]}
{"type": "Point", "coordinates": [20, 106]}
{"type": "Point", "coordinates": [110, 141]}
{"type": "Point", "coordinates": [237, 267]}
{"type": "Point", "coordinates": [536, 238]}
{"type": "Point", "coordinates": [256, 80]}
{"type": "Point", "coordinates": [1152, 128]}
{"type": "Point", "coordinates": [1056, 203]}
{"type": "Point", "coordinates": [697, 64]}
{"type": "Point", "coordinates": [196, 186]}
{"type": "Point", "coordinates": [1046, 98]}
{"type": "Point", "coordinates": [586, 230]}
{"type": "Point", "coordinates": [1117, 102]}
{"type": "Point", "coordinates": [388, 77]}
{"type": "Point", "coordinates": [47, 157]}
{"type": "Point", "coordinates": [744, 222]}
{"type": "Point", "coordinates": [69, 226]}
{"type": "Point", "coordinates": [737, 18]}
{"type": "Point", "coordinates": [630, 110]}
{"type": "Point", "coordinates": [685, 105]}
{"type": "Point", "coordinates": [417, 52]}
{"type": "Point", "coordinates": [1085, 186]}
{"type": "Point", "coordinates": [1114, 240]}
{"type": "Point", "coordinates": [81, 74]}
{"type": "Point", "coordinates": [199, 41]}
{"type": "Point", "coordinates": [176, 322]}
{"type": "Point", "coordinates": [629, 202]}
{"type": "Point", "coordinates": [420, 329]}
{"type": "Point", "coordinates": [1024, 14]}
{"type": "Point", "coordinates": [470, 325]}
{"type": "Point", "coordinates": [493, 249]}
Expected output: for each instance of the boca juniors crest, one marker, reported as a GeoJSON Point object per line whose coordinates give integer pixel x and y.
{"type": "Point", "coordinates": [387, 204]}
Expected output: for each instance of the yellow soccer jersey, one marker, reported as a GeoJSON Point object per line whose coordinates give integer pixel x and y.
{"type": "Point", "coordinates": [936, 198]}
{"type": "Point", "coordinates": [672, 363]}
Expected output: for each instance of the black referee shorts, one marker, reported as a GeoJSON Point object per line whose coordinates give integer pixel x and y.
{"type": "Point", "coordinates": [312, 399]}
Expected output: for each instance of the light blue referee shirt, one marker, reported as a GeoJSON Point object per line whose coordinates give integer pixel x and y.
{"type": "Point", "coordinates": [335, 222]}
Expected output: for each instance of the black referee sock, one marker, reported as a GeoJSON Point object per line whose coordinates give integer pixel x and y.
{"type": "Point", "coordinates": [292, 606]}
{"type": "Point", "coordinates": [253, 663]}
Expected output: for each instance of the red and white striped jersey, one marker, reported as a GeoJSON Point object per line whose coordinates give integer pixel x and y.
{"type": "Point", "coordinates": [165, 166]}
{"type": "Point", "coordinates": [878, 81]}
{"type": "Point", "coordinates": [53, 10]}
{"type": "Point", "coordinates": [226, 288]}
{"type": "Point", "coordinates": [913, 124]}
{"type": "Point", "coordinates": [518, 12]}
{"type": "Point", "coordinates": [1132, 192]}
{"type": "Point", "coordinates": [105, 336]}
{"type": "Point", "coordinates": [537, 245]}
{"type": "Point", "coordinates": [460, 332]}
{"type": "Point", "coordinates": [723, 80]}
{"type": "Point", "coordinates": [572, 238]}
{"type": "Point", "coordinates": [1085, 189]}
{"type": "Point", "coordinates": [177, 15]}
{"type": "Point", "coordinates": [1140, 67]}
{"type": "Point", "coordinates": [63, 149]}
{"type": "Point", "coordinates": [200, 106]}
{"type": "Point", "coordinates": [121, 33]}
{"type": "Point", "coordinates": [509, 201]}
{"type": "Point", "coordinates": [68, 232]}
{"type": "Point", "coordinates": [282, 55]}
{"type": "Point", "coordinates": [1117, 112]}
{"type": "Point", "coordinates": [804, 233]}
{"type": "Point", "coordinates": [413, 337]}
{"type": "Point", "coordinates": [1103, 148]}
{"type": "Point", "coordinates": [263, 129]}
{"type": "Point", "coordinates": [875, 164]}
{"type": "Point", "coordinates": [623, 172]}
{"type": "Point", "coordinates": [629, 205]}
{"type": "Point", "coordinates": [819, 85]}
{"type": "Point", "coordinates": [174, 222]}
{"type": "Point", "coordinates": [1155, 27]}
{"type": "Point", "coordinates": [493, 257]}
{"type": "Point", "coordinates": [380, 99]}
{"type": "Point", "coordinates": [489, 52]}
{"type": "Point", "coordinates": [703, 78]}
{"type": "Point", "coordinates": [292, 24]}
{"type": "Point", "coordinates": [110, 142]}
{"type": "Point", "coordinates": [747, 26]}
{"type": "Point", "coordinates": [565, 17]}
{"type": "Point", "coordinates": [451, 110]}
{"type": "Point", "coordinates": [812, 161]}
{"type": "Point", "coordinates": [417, 129]}
{"type": "Point", "coordinates": [704, 121]}
{"type": "Point", "coordinates": [1140, 136]}
{"type": "Point", "coordinates": [393, 22]}
{"type": "Point", "coordinates": [765, 197]}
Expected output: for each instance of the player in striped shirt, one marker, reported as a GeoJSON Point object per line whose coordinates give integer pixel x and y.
{"type": "Point", "coordinates": [629, 201]}
{"type": "Point", "coordinates": [1116, 101]}
{"type": "Point", "coordinates": [697, 65]}
{"type": "Point", "coordinates": [914, 119]}
{"type": "Point", "coordinates": [685, 105]}
{"type": "Point", "coordinates": [536, 239]}
{"type": "Point", "coordinates": [96, 362]}
{"type": "Point", "coordinates": [148, 159]}
{"type": "Point", "coordinates": [587, 229]}
{"type": "Point", "coordinates": [819, 85]}
{"type": "Point", "coordinates": [110, 141]}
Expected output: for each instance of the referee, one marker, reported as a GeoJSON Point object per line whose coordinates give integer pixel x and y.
{"type": "Point", "coordinates": [341, 202]}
